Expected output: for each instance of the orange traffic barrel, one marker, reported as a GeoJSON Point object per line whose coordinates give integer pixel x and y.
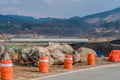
{"type": "Point", "coordinates": [43, 64]}
{"type": "Point", "coordinates": [114, 56]}
{"type": "Point", "coordinates": [110, 55]}
{"type": "Point", "coordinates": [68, 61]}
{"type": "Point", "coordinates": [119, 55]}
{"type": "Point", "coordinates": [91, 59]}
{"type": "Point", "coordinates": [6, 69]}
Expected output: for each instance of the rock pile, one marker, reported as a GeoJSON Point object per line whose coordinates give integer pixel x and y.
{"type": "Point", "coordinates": [81, 54]}
{"type": "Point", "coordinates": [55, 51]}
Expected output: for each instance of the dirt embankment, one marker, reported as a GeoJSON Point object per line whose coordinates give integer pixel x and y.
{"type": "Point", "coordinates": [27, 73]}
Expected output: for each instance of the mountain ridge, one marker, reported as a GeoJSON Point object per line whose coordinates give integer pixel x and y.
{"type": "Point", "coordinates": [75, 26]}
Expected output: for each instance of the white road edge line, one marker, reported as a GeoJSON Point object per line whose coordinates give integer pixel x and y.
{"type": "Point", "coordinates": [53, 75]}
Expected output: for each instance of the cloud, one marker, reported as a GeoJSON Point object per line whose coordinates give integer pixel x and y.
{"type": "Point", "coordinates": [9, 2]}
{"type": "Point", "coordinates": [18, 11]}
{"type": "Point", "coordinates": [10, 10]}
{"type": "Point", "coordinates": [56, 8]}
{"type": "Point", "coordinates": [50, 2]}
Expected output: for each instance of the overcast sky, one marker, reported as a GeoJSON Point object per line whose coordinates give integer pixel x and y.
{"type": "Point", "coordinates": [56, 8]}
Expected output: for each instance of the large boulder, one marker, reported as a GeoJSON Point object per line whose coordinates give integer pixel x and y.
{"type": "Point", "coordinates": [54, 46]}
{"type": "Point", "coordinates": [56, 52]}
{"type": "Point", "coordinates": [29, 56]}
{"type": "Point", "coordinates": [64, 47]}
{"type": "Point", "coordinates": [26, 50]}
{"type": "Point", "coordinates": [43, 51]}
{"type": "Point", "coordinates": [4, 56]}
{"type": "Point", "coordinates": [58, 56]}
{"type": "Point", "coordinates": [2, 48]}
{"type": "Point", "coordinates": [76, 57]}
{"type": "Point", "coordinates": [13, 54]}
{"type": "Point", "coordinates": [67, 48]}
{"type": "Point", "coordinates": [32, 55]}
{"type": "Point", "coordinates": [81, 54]}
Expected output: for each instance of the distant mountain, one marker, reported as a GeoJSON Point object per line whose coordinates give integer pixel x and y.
{"type": "Point", "coordinates": [110, 28]}
{"type": "Point", "coordinates": [75, 18]}
{"type": "Point", "coordinates": [99, 18]}
{"type": "Point", "coordinates": [66, 27]}
{"type": "Point", "coordinates": [100, 24]}
{"type": "Point", "coordinates": [25, 18]}
{"type": "Point", "coordinates": [46, 26]}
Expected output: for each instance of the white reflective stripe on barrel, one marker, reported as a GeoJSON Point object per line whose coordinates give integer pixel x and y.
{"type": "Point", "coordinates": [43, 60]}
{"type": "Point", "coordinates": [6, 65]}
{"type": "Point", "coordinates": [68, 58]}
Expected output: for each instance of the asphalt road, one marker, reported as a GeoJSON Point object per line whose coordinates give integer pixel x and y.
{"type": "Point", "coordinates": [102, 73]}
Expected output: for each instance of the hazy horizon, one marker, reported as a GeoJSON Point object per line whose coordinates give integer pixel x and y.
{"type": "Point", "coordinates": [56, 8]}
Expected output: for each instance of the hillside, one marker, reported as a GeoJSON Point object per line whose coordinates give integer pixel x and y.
{"type": "Point", "coordinates": [100, 24]}
{"type": "Point", "coordinates": [100, 18]}
{"type": "Point", "coordinates": [44, 26]}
